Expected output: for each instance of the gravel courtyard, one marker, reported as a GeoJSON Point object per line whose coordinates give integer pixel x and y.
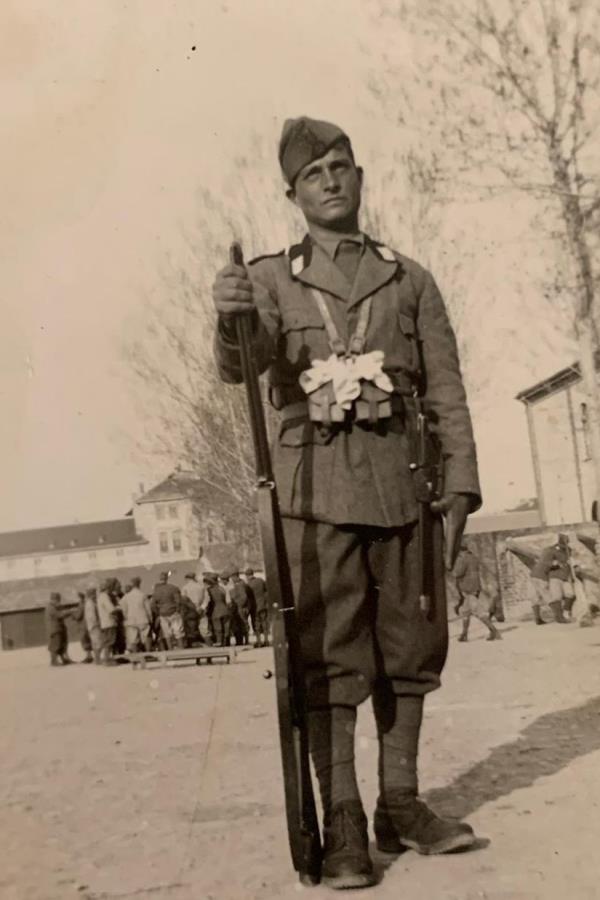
{"type": "Point", "coordinates": [165, 783]}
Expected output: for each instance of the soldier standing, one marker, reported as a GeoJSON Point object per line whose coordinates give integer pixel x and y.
{"type": "Point", "coordinates": [551, 576]}
{"type": "Point", "coordinates": [350, 332]}
{"type": "Point", "coordinates": [259, 593]}
{"type": "Point", "coordinates": [473, 602]}
{"type": "Point", "coordinates": [166, 599]}
{"type": "Point", "coordinates": [92, 622]}
{"type": "Point", "coordinates": [138, 616]}
{"type": "Point", "coordinates": [56, 629]}
{"type": "Point", "coordinates": [107, 616]}
{"type": "Point", "coordinates": [78, 616]}
{"type": "Point", "coordinates": [241, 596]}
{"type": "Point", "coordinates": [221, 614]}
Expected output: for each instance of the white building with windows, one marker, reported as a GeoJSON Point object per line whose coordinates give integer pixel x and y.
{"type": "Point", "coordinates": [166, 524]}
{"type": "Point", "coordinates": [557, 416]}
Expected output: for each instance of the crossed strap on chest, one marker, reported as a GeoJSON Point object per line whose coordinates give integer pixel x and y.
{"type": "Point", "coordinates": [349, 381]}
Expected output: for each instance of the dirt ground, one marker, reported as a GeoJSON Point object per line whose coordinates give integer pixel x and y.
{"type": "Point", "coordinates": [165, 783]}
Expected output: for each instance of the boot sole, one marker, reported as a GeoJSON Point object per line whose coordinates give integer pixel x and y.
{"type": "Point", "coordinates": [450, 845]}
{"type": "Point", "coordinates": [349, 881]}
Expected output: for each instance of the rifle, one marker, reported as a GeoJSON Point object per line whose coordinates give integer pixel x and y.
{"type": "Point", "coordinates": [301, 814]}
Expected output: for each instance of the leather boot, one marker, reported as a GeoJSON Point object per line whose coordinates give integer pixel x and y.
{"type": "Point", "coordinates": [346, 860]}
{"type": "Point", "coordinates": [556, 607]}
{"type": "Point", "coordinates": [537, 616]}
{"type": "Point", "coordinates": [406, 821]}
{"type": "Point", "coordinates": [567, 606]}
{"type": "Point", "coordinates": [54, 660]}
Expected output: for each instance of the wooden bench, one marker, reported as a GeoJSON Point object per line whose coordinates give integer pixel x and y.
{"type": "Point", "coordinates": [163, 657]}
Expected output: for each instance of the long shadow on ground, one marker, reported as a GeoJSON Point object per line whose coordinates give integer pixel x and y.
{"type": "Point", "coordinates": [545, 747]}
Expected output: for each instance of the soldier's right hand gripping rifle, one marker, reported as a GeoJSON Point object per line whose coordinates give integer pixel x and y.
{"type": "Point", "coordinates": [302, 822]}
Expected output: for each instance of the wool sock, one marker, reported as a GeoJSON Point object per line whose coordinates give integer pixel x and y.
{"type": "Point", "coordinates": [398, 721]}
{"type": "Point", "coordinates": [331, 741]}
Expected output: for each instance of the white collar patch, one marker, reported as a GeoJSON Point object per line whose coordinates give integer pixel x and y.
{"type": "Point", "coordinates": [386, 253]}
{"type": "Point", "coordinates": [297, 264]}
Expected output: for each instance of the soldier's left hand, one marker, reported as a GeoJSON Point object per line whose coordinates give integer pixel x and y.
{"type": "Point", "coordinates": [455, 508]}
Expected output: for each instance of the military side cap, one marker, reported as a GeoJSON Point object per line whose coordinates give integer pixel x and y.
{"type": "Point", "coordinates": [230, 571]}
{"type": "Point", "coordinates": [304, 140]}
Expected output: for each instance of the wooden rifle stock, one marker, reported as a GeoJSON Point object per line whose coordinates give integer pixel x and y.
{"type": "Point", "coordinates": [301, 814]}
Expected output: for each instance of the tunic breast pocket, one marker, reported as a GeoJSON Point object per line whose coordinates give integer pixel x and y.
{"type": "Point", "coordinates": [304, 337]}
{"type": "Point", "coordinates": [406, 351]}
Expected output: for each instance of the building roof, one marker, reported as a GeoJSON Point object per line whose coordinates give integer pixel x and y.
{"type": "Point", "coordinates": [28, 593]}
{"type": "Point", "coordinates": [504, 521]}
{"type": "Point", "coordinates": [557, 382]}
{"type": "Point", "coordinates": [80, 536]}
{"type": "Point", "coordinates": [179, 485]}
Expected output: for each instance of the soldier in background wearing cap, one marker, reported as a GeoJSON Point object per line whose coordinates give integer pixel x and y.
{"type": "Point", "coordinates": [349, 330]}
{"type": "Point", "coordinates": [56, 630]}
{"type": "Point", "coordinates": [258, 588]}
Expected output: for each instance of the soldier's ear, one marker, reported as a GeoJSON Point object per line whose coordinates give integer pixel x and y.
{"type": "Point", "coordinates": [361, 175]}
{"type": "Point", "coordinates": [291, 195]}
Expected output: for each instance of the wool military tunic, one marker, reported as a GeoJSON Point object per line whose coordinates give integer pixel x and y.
{"type": "Point", "coordinates": [358, 474]}
{"type": "Point", "coordinates": [346, 491]}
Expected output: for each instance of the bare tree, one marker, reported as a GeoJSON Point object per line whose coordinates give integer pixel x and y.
{"type": "Point", "coordinates": [514, 101]}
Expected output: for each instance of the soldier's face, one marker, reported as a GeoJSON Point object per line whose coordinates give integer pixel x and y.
{"type": "Point", "coordinates": [328, 190]}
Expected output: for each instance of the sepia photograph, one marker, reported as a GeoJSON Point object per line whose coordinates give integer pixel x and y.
{"type": "Point", "coordinates": [300, 377]}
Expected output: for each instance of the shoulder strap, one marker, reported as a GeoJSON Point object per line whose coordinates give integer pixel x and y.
{"type": "Point", "coordinates": [358, 339]}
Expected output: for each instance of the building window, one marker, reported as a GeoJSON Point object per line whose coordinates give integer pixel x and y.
{"type": "Point", "coordinates": [64, 559]}
{"type": "Point", "coordinates": [72, 543]}
{"type": "Point", "coordinates": [173, 511]}
{"type": "Point", "coordinates": [177, 541]}
{"type": "Point", "coordinates": [160, 511]}
{"type": "Point", "coordinates": [37, 562]}
{"type": "Point", "coordinates": [101, 539]}
{"type": "Point", "coordinates": [92, 554]}
{"type": "Point", "coordinates": [120, 551]}
{"type": "Point", "coordinates": [163, 542]}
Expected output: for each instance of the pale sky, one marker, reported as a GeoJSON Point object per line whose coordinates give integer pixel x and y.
{"type": "Point", "coordinates": [110, 123]}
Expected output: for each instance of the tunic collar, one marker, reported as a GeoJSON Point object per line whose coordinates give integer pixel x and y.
{"type": "Point", "coordinates": [313, 265]}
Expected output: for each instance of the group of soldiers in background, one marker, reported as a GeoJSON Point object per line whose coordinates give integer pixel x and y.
{"type": "Point", "coordinates": [216, 611]}
{"type": "Point", "coordinates": [553, 580]}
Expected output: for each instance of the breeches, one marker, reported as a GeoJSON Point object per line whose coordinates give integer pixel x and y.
{"type": "Point", "coordinates": [58, 642]}
{"type": "Point", "coordinates": [356, 592]}
{"type": "Point", "coordinates": [95, 633]}
{"type": "Point", "coordinates": [538, 591]}
{"type": "Point", "coordinates": [172, 626]}
{"type": "Point", "coordinates": [561, 590]}
{"type": "Point", "coordinates": [477, 605]}
{"type": "Point", "coordinates": [136, 634]}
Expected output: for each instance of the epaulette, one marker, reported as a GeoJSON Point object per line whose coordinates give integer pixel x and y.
{"type": "Point", "coordinates": [384, 252]}
{"type": "Point", "coordinates": [266, 256]}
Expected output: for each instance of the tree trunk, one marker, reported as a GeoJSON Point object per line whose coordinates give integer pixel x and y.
{"type": "Point", "coordinates": [589, 375]}
{"type": "Point", "coordinates": [586, 338]}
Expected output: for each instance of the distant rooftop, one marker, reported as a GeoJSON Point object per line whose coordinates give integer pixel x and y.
{"type": "Point", "coordinates": [179, 485]}
{"type": "Point", "coordinates": [30, 593]}
{"type": "Point", "coordinates": [557, 382]}
{"type": "Point", "coordinates": [80, 536]}
{"type": "Point", "coordinates": [503, 521]}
